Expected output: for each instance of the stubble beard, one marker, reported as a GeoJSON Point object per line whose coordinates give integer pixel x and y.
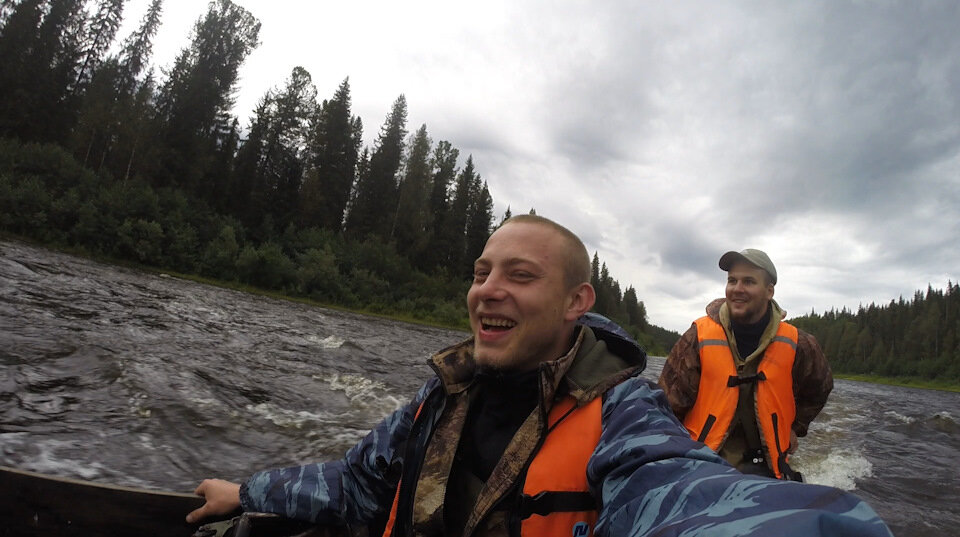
{"type": "Point", "coordinates": [514, 360]}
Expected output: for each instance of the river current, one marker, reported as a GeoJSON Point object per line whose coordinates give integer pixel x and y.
{"type": "Point", "coordinates": [117, 376]}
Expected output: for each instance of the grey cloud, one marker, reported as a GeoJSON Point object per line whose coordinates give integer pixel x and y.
{"type": "Point", "coordinates": [684, 249]}
{"type": "Point", "coordinates": [876, 106]}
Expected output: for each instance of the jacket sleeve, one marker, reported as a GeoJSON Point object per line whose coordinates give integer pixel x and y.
{"type": "Point", "coordinates": [812, 382]}
{"type": "Point", "coordinates": [680, 377]}
{"type": "Point", "coordinates": [652, 479]}
{"type": "Point", "coordinates": [354, 490]}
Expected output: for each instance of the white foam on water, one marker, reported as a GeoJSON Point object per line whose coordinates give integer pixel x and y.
{"type": "Point", "coordinates": [204, 401]}
{"type": "Point", "coordinates": [329, 342]}
{"type": "Point", "coordinates": [11, 443]}
{"type": "Point", "coordinates": [353, 386]}
{"type": "Point", "coordinates": [145, 442]}
{"type": "Point", "coordinates": [899, 417]}
{"type": "Point", "coordinates": [283, 417]}
{"type": "Point", "coordinates": [138, 402]}
{"type": "Point", "coordinates": [841, 468]}
{"type": "Point", "coordinates": [363, 392]}
{"type": "Point", "coordinates": [367, 396]}
{"type": "Point", "coordinates": [945, 415]}
{"type": "Point", "coordinates": [45, 457]}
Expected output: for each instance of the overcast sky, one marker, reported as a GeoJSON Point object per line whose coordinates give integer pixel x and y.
{"type": "Point", "coordinates": [665, 133]}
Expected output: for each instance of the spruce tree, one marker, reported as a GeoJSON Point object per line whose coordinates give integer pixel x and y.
{"type": "Point", "coordinates": [636, 311]}
{"type": "Point", "coordinates": [444, 166]}
{"type": "Point", "coordinates": [270, 163]}
{"type": "Point", "coordinates": [98, 116]}
{"type": "Point", "coordinates": [116, 105]}
{"type": "Point", "coordinates": [374, 203]}
{"type": "Point", "coordinates": [248, 168]}
{"type": "Point", "coordinates": [411, 219]}
{"type": "Point", "coordinates": [138, 46]}
{"type": "Point", "coordinates": [99, 36]}
{"type": "Point", "coordinates": [293, 110]}
{"type": "Point", "coordinates": [333, 149]}
{"type": "Point", "coordinates": [59, 48]}
{"type": "Point", "coordinates": [40, 50]}
{"type": "Point", "coordinates": [135, 106]}
{"type": "Point", "coordinates": [194, 104]}
{"type": "Point", "coordinates": [454, 232]}
{"type": "Point", "coordinates": [18, 76]}
{"type": "Point", "coordinates": [479, 223]}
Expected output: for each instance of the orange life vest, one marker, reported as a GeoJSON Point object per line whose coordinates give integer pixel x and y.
{"type": "Point", "coordinates": [556, 498]}
{"type": "Point", "coordinates": [775, 406]}
{"type": "Point", "coordinates": [557, 477]}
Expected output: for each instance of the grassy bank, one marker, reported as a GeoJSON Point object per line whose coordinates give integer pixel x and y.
{"type": "Point", "coordinates": [910, 382]}
{"type": "Point", "coordinates": [301, 300]}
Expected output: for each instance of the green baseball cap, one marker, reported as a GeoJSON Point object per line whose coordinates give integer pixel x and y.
{"type": "Point", "coordinates": [757, 258]}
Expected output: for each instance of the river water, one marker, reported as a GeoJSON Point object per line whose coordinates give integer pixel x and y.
{"type": "Point", "coordinates": [116, 376]}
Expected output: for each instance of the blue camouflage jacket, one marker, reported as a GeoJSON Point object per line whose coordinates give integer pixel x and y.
{"type": "Point", "coordinates": [649, 477]}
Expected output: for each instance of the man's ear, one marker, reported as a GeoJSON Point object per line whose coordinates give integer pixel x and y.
{"type": "Point", "coordinates": [582, 297]}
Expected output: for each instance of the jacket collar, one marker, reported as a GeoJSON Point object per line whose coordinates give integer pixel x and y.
{"type": "Point", "coordinates": [718, 311]}
{"type": "Point", "coordinates": [456, 367]}
{"type": "Point", "coordinates": [587, 370]}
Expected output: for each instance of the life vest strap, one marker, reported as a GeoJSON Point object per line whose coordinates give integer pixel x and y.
{"type": "Point", "coordinates": [735, 381]}
{"type": "Point", "coordinates": [547, 502]}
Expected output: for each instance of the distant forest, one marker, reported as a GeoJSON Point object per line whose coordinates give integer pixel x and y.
{"type": "Point", "coordinates": [100, 154]}
{"type": "Point", "coordinates": [916, 338]}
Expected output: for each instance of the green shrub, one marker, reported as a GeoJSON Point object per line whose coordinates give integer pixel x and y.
{"type": "Point", "coordinates": [372, 290]}
{"type": "Point", "coordinates": [267, 267]}
{"type": "Point", "coordinates": [24, 203]}
{"type": "Point", "coordinates": [318, 276]}
{"type": "Point", "coordinates": [140, 240]}
{"type": "Point", "coordinates": [94, 229]}
{"type": "Point", "coordinates": [219, 259]}
{"type": "Point", "coordinates": [180, 247]}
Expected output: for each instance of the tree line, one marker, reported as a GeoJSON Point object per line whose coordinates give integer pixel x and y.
{"type": "Point", "coordinates": [905, 338]}
{"type": "Point", "coordinates": [97, 152]}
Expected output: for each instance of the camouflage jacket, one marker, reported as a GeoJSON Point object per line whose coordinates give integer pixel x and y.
{"type": "Point", "coordinates": [649, 477]}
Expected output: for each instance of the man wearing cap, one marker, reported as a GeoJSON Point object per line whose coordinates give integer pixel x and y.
{"type": "Point", "coordinates": [743, 381]}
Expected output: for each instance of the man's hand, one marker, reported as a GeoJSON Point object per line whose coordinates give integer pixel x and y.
{"type": "Point", "coordinates": [793, 442]}
{"type": "Point", "coordinates": [223, 497]}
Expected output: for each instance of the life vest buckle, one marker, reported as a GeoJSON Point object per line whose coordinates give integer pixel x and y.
{"type": "Point", "coordinates": [735, 381]}
{"type": "Point", "coordinates": [550, 501]}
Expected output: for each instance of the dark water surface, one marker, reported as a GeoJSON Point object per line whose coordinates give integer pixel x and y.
{"type": "Point", "coordinates": [116, 376]}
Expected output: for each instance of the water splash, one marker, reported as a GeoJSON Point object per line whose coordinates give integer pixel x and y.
{"type": "Point", "coordinates": [329, 342]}
{"type": "Point", "coordinates": [363, 392]}
{"type": "Point", "coordinates": [286, 418]}
{"type": "Point", "coordinates": [894, 415]}
{"type": "Point", "coordinates": [840, 468]}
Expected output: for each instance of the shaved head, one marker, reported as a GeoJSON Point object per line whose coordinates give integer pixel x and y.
{"type": "Point", "coordinates": [576, 265]}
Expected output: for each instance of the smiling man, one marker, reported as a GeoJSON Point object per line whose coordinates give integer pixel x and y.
{"type": "Point", "coordinates": [743, 381]}
{"type": "Point", "coordinates": [530, 285]}
{"type": "Point", "coordinates": [538, 425]}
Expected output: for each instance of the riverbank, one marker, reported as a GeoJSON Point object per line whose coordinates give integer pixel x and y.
{"type": "Point", "coordinates": [302, 300]}
{"type": "Point", "coordinates": [462, 324]}
{"type": "Point", "coordinates": [908, 382]}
